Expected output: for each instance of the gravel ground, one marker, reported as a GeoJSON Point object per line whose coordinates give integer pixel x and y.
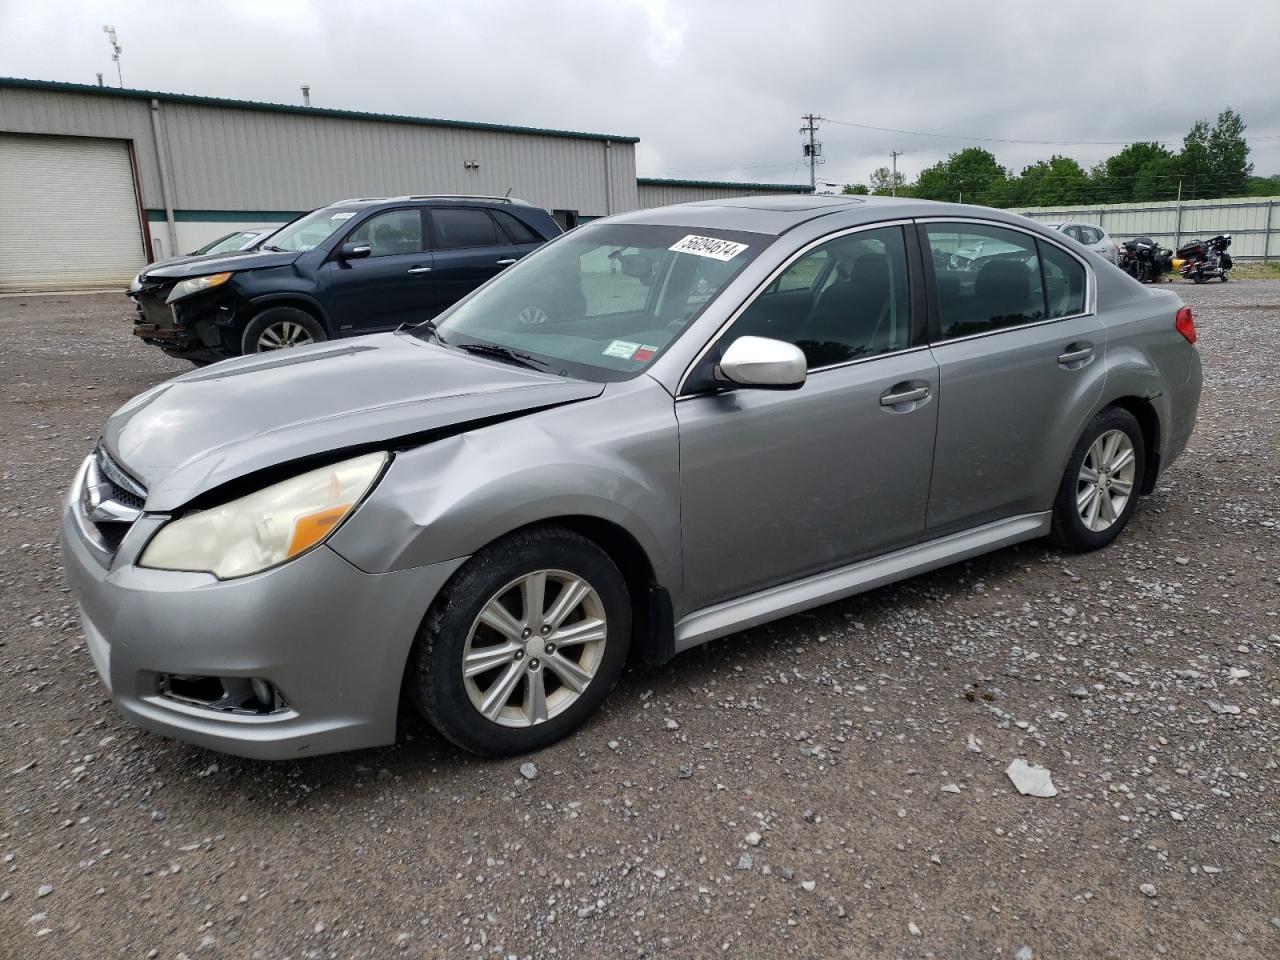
{"type": "Point", "coordinates": [831, 785]}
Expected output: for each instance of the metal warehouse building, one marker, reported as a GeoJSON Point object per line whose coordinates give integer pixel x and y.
{"type": "Point", "coordinates": [97, 181]}
{"type": "Point", "coordinates": [660, 193]}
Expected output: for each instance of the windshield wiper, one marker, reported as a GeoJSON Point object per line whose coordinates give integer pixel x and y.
{"type": "Point", "coordinates": [503, 353]}
{"type": "Point", "coordinates": [273, 248]}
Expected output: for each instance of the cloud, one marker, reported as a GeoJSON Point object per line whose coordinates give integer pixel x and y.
{"type": "Point", "coordinates": [714, 89]}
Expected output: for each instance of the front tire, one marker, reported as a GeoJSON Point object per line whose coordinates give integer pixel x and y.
{"type": "Point", "coordinates": [1099, 490]}
{"type": "Point", "coordinates": [278, 328]}
{"type": "Point", "coordinates": [523, 644]}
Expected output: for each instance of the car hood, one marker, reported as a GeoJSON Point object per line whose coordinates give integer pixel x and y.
{"type": "Point", "coordinates": [180, 268]}
{"type": "Point", "coordinates": [200, 430]}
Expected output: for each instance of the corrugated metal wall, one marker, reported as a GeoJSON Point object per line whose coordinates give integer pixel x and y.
{"type": "Point", "coordinates": [230, 158]}
{"type": "Point", "coordinates": [1253, 222]}
{"type": "Point", "coordinates": [656, 193]}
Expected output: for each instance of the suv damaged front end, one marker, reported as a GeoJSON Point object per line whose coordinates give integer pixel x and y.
{"type": "Point", "coordinates": [191, 319]}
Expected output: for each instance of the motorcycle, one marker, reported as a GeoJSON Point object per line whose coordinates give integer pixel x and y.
{"type": "Point", "coordinates": [1144, 259]}
{"type": "Point", "coordinates": [1205, 259]}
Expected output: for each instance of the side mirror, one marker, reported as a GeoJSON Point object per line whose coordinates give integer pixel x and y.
{"type": "Point", "coordinates": [355, 251]}
{"type": "Point", "coordinates": [764, 363]}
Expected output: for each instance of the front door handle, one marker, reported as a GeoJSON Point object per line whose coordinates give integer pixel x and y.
{"type": "Point", "coordinates": [1076, 353]}
{"type": "Point", "coordinates": [417, 270]}
{"type": "Point", "coordinates": [912, 395]}
{"type": "Point", "coordinates": [507, 262]}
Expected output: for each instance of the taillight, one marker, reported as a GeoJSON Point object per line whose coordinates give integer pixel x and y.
{"type": "Point", "coordinates": [1186, 326]}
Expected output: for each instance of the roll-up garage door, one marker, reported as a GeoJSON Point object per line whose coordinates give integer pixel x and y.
{"type": "Point", "coordinates": [68, 214]}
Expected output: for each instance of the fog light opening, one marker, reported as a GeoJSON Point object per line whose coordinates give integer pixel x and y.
{"type": "Point", "coordinates": [223, 694]}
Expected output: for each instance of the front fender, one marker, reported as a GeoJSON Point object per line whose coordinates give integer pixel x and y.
{"type": "Point", "coordinates": [615, 459]}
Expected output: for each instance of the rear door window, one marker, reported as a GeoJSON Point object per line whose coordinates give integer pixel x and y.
{"type": "Point", "coordinates": [1064, 281]}
{"type": "Point", "coordinates": [987, 278]}
{"type": "Point", "coordinates": [456, 229]}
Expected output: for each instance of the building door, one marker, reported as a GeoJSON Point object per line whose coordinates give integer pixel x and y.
{"type": "Point", "coordinates": [70, 214]}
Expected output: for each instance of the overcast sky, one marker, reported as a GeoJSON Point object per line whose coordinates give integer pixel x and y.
{"type": "Point", "coordinates": [714, 90]}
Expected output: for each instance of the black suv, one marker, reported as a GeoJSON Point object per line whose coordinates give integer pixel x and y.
{"type": "Point", "coordinates": [353, 267]}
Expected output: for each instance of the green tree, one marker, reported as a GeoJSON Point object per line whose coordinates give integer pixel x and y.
{"type": "Point", "coordinates": [1048, 183]}
{"type": "Point", "coordinates": [1115, 179]}
{"type": "Point", "coordinates": [884, 181]}
{"type": "Point", "coordinates": [856, 188]}
{"type": "Point", "coordinates": [1265, 186]}
{"type": "Point", "coordinates": [1229, 166]}
{"type": "Point", "coordinates": [1194, 162]}
{"type": "Point", "coordinates": [972, 174]}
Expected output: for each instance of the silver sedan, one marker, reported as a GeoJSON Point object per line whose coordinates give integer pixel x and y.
{"type": "Point", "coordinates": [1092, 236]}
{"type": "Point", "coordinates": [659, 429]}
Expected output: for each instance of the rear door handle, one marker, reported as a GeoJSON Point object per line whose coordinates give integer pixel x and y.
{"type": "Point", "coordinates": [1076, 353]}
{"type": "Point", "coordinates": [507, 262]}
{"type": "Point", "coordinates": [914, 395]}
{"type": "Point", "coordinates": [416, 270]}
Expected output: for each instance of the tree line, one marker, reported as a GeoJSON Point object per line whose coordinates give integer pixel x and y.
{"type": "Point", "coordinates": [1213, 163]}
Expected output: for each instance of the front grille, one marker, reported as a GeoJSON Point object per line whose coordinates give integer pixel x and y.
{"type": "Point", "coordinates": [110, 502]}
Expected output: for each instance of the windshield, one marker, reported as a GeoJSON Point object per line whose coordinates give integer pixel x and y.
{"type": "Point", "coordinates": [602, 302]}
{"type": "Point", "coordinates": [307, 233]}
{"type": "Point", "coordinates": [229, 243]}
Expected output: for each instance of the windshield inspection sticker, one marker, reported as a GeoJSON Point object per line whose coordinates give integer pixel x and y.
{"type": "Point", "coordinates": [342, 216]}
{"type": "Point", "coordinates": [622, 349]}
{"type": "Point", "coordinates": [708, 247]}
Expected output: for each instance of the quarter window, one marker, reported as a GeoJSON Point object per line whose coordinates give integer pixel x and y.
{"type": "Point", "coordinates": [456, 229]}
{"type": "Point", "coordinates": [987, 278]}
{"type": "Point", "coordinates": [390, 233]}
{"type": "Point", "coordinates": [844, 300]}
{"type": "Point", "coordinates": [515, 228]}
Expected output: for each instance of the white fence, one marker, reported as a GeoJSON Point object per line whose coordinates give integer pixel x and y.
{"type": "Point", "coordinates": [1253, 222]}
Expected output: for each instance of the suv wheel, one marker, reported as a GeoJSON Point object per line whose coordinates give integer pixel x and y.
{"type": "Point", "coordinates": [523, 644]}
{"type": "Point", "coordinates": [1100, 487]}
{"type": "Point", "coordinates": [279, 327]}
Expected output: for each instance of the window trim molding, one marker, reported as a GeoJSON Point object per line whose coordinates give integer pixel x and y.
{"type": "Point", "coordinates": [786, 264]}
{"type": "Point", "coordinates": [1090, 292]}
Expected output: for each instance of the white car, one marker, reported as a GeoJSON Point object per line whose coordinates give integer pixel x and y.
{"type": "Point", "coordinates": [1092, 236]}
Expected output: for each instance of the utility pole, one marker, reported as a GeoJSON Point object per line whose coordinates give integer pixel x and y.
{"type": "Point", "coordinates": [116, 50]}
{"type": "Point", "coordinates": [893, 182]}
{"type": "Point", "coordinates": [812, 149]}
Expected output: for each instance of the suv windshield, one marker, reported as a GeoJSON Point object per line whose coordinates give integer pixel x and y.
{"type": "Point", "coordinates": [603, 301]}
{"type": "Point", "coordinates": [307, 233]}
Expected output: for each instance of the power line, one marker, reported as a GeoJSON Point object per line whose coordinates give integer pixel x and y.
{"type": "Point", "coordinates": [1043, 143]}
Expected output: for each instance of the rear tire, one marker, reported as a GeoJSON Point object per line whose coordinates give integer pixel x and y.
{"type": "Point", "coordinates": [500, 665]}
{"type": "Point", "coordinates": [277, 328]}
{"type": "Point", "coordinates": [1099, 489]}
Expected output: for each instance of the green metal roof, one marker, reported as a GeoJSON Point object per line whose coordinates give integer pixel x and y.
{"type": "Point", "coordinates": [126, 92]}
{"type": "Point", "coordinates": [772, 187]}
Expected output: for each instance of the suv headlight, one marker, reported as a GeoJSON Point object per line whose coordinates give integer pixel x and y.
{"type": "Point", "coordinates": [196, 284]}
{"type": "Point", "coordinates": [265, 528]}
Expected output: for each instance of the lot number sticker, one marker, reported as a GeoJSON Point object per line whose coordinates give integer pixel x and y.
{"type": "Point", "coordinates": [709, 247]}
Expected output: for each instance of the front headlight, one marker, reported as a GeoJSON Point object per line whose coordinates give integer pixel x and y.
{"type": "Point", "coordinates": [265, 528]}
{"type": "Point", "coordinates": [196, 284]}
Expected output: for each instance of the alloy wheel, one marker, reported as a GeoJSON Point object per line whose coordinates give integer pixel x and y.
{"type": "Point", "coordinates": [283, 334]}
{"type": "Point", "coordinates": [1106, 480]}
{"type": "Point", "coordinates": [534, 648]}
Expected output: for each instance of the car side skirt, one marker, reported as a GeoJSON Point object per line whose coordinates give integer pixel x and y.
{"type": "Point", "coordinates": [754, 609]}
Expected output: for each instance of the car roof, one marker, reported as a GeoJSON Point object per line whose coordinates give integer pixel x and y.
{"type": "Point", "coordinates": [779, 214]}
{"type": "Point", "coordinates": [442, 198]}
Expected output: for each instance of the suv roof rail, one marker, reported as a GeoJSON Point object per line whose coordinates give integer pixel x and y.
{"type": "Point", "coordinates": [468, 196]}
{"type": "Point", "coordinates": [338, 203]}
